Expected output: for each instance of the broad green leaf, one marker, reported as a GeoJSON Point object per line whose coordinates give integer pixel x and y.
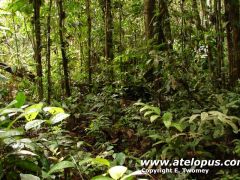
{"type": "Point", "coordinates": [28, 177]}
{"type": "Point", "coordinates": [53, 110]}
{"type": "Point", "coordinates": [167, 119]}
{"type": "Point", "coordinates": [156, 110]}
{"type": "Point", "coordinates": [101, 161]}
{"type": "Point", "coordinates": [178, 126]}
{"type": "Point", "coordinates": [101, 178]}
{"type": "Point", "coordinates": [117, 172]}
{"type": "Point", "coordinates": [60, 166]}
{"type": "Point", "coordinates": [21, 98]}
{"type": "Point", "coordinates": [154, 117]}
{"type": "Point", "coordinates": [145, 108]}
{"type": "Point", "coordinates": [148, 113]}
{"type": "Point", "coordinates": [31, 112]}
{"type": "Point", "coordinates": [58, 118]}
{"type": "Point", "coordinates": [33, 124]}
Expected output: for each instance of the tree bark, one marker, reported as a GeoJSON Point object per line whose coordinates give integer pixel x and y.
{"type": "Point", "coordinates": [163, 25]}
{"type": "Point", "coordinates": [109, 35]}
{"type": "Point", "coordinates": [233, 39]}
{"type": "Point", "coordinates": [196, 15]}
{"type": "Point", "coordinates": [48, 55]}
{"type": "Point", "coordinates": [204, 13]}
{"type": "Point", "coordinates": [219, 42]}
{"type": "Point", "coordinates": [89, 22]}
{"type": "Point", "coordinates": [149, 6]}
{"type": "Point", "coordinates": [37, 49]}
{"type": "Point", "coordinates": [63, 48]}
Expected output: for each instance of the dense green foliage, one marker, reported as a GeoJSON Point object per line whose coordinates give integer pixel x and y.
{"type": "Point", "coordinates": [90, 88]}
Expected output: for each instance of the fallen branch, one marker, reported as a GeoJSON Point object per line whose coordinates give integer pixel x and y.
{"type": "Point", "coordinates": [19, 73]}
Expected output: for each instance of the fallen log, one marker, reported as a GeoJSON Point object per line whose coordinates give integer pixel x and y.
{"type": "Point", "coordinates": [19, 72]}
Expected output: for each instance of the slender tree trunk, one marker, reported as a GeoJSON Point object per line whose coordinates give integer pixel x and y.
{"type": "Point", "coordinates": [183, 34]}
{"type": "Point", "coordinates": [163, 25]}
{"type": "Point", "coordinates": [210, 47]}
{"type": "Point", "coordinates": [48, 54]}
{"type": "Point", "coordinates": [219, 41]}
{"type": "Point", "coordinates": [229, 41]}
{"type": "Point", "coordinates": [37, 49]}
{"type": "Point", "coordinates": [204, 13]}
{"type": "Point", "coordinates": [109, 35]}
{"type": "Point", "coordinates": [149, 6]}
{"type": "Point", "coordinates": [88, 12]}
{"type": "Point", "coordinates": [63, 48]}
{"type": "Point", "coordinates": [196, 14]}
{"type": "Point", "coordinates": [120, 48]}
{"type": "Point", "coordinates": [16, 39]}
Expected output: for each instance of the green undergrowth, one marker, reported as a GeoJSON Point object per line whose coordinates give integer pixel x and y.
{"type": "Point", "coordinates": [100, 138]}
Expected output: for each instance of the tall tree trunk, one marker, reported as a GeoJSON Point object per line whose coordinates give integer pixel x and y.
{"type": "Point", "coordinates": [219, 41]}
{"type": "Point", "coordinates": [236, 37]}
{"type": "Point", "coordinates": [229, 41]}
{"type": "Point", "coordinates": [16, 39]}
{"type": "Point", "coordinates": [149, 6]}
{"type": "Point", "coordinates": [163, 25]}
{"type": "Point", "coordinates": [120, 48]}
{"type": "Point", "coordinates": [196, 14]}
{"type": "Point", "coordinates": [48, 54]}
{"type": "Point", "coordinates": [233, 39]}
{"type": "Point", "coordinates": [109, 35]}
{"type": "Point", "coordinates": [37, 49]}
{"type": "Point", "coordinates": [183, 34]}
{"type": "Point", "coordinates": [89, 22]}
{"type": "Point", "coordinates": [63, 48]}
{"type": "Point", "coordinates": [204, 13]}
